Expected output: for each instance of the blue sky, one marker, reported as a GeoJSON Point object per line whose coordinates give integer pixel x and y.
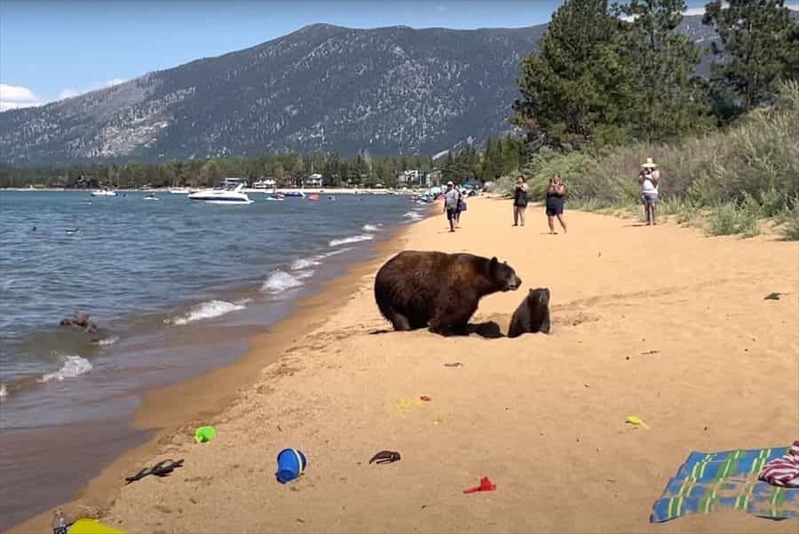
{"type": "Point", "coordinates": [54, 49]}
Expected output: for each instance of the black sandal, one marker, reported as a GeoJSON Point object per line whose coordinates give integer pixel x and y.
{"type": "Point", "coordinates": [161, 469]}
{"type": "Point", "coordinates": [386, 457]}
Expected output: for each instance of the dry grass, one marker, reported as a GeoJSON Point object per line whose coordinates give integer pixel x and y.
{"type": "Point", "coordinates": [742, 174]}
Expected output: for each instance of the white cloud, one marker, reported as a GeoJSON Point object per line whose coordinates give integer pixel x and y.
{"type": "Point", "coordinates": [15, 97]}
{"type": "Point", "coordinates": [691, 11]}
{"type": "Point", "coordinates": [69, 93]}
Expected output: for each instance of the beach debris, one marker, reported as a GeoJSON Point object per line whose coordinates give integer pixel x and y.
{"type": "Point", "coordinates": [291, 463]}
{"type": "Point", "coordinates": [425, 398]}
{"type": "Point", "coordinates": [204, 434]}
{"type": "Point", "coordinates": [635, 420]}
{"type": "Point", "coordinates": [772, 296]}
{"type": "Point", "coordinates": [161, 469]}
{"type": "Point", "coordinates": [79, 319]}
{"type": "Point", "coordinates": [87, 525]}
{"type": "Point", "coordinates": [647, 353]}
{"type": "Point", "coordinates": [485, 485]}
{"type": "Point", "coordinates": [385, 457]}
{"type": "Point", "coordinates": [407, 405]}
{"type": "Point", "coordinates": [453, 364]}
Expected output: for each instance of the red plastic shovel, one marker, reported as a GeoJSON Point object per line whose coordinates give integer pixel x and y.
{"type": "Point", "coordinates": [485, 485]}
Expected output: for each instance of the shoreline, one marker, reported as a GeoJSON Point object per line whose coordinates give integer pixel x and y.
{"type": "Point", "coordinates": [168, 412]}
{"type": "Point", "coordinates": [248, 190]}
{"type": "Point", "coordinates": [339, 385]}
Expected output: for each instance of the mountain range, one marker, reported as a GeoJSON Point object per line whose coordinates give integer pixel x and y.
{"type": "Point", "coordinates": [392, 90]}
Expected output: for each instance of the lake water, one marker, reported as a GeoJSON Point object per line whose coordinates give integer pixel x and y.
{"type": "Point", "coordinates": [174, 286]}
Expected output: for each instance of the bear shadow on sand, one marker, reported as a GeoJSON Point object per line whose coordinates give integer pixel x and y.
{"type": "Point", "coordinates": [485, 329]}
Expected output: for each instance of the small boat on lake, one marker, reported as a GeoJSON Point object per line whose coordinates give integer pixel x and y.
{"type": "Point", "coordinates": [222, 196]}
{"type": "Point", "coordinates": [104, 193]}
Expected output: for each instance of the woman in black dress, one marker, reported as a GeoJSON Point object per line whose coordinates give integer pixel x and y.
{"type": "Point", "coordinates": [554, 203]}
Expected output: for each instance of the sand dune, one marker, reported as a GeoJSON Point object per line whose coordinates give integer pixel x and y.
{"type": "Point", "coordinates": [659, 322]}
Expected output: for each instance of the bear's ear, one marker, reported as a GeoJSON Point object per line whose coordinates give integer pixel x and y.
{"type": "Point", "coordinates": [492, 265]}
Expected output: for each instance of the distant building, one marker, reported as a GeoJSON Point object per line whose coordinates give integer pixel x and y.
{"type": "Point", "coordinates": [233, 182]}
{"type": "Point", "coordinates": [433, 178]}
{"type": "Point", "coordinates": [410, 177]}
{"type": "Point", "coordinates": [314, 180]}
{"type": "Point", "coordinates": [264, 184]}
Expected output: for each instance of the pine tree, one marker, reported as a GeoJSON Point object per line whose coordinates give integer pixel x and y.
{"type": "Point", "coordinates": [577, 82]}
{"type": "Point", "coordinates": [669, 97]}
{"type": "Point", "coordinates": [489, 169]}
{"type": "Point", "coordinates": [760, 46]}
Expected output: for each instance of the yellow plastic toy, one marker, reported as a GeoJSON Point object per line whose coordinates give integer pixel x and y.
{"type": "Point", "coordinates": [635, 420]}
{"type": "Point", "coordinates": [92, 526]}
{"type": "Point", "coordinates": [407, 405]}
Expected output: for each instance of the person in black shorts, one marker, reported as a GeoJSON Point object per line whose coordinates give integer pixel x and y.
{"type": "Point", "coordinates": [519, 201]}
{"type": "Point", "coordinates": [451, 200]}
{"type": "Point", "coordinates": [554, 203]}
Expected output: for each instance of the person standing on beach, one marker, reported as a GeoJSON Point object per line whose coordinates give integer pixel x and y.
{"type": "Point", "coordinates": [649, 179]}
{"type": "Point", "coordinates": [519, 201]}
{"type": "Point", "coordinates": [451, 199]}
{"type": "Point", "coordinates": [554, 203]}
{"type": "Point", "coordinates": [461, 206]}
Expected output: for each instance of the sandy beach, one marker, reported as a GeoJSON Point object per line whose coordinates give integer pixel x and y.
{"type": "Point", "coordinates": [659, 322]}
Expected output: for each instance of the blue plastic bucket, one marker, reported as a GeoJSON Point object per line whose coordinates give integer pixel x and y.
{"type": "Point", "coordinates": [290, 464]}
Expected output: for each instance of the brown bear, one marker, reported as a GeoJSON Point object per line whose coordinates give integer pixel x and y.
{"type": "Point", "coordinates": [415, 289]}
{"type": "Point", "coordinates": [532, 315]}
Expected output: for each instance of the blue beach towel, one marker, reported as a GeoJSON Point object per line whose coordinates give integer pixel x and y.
{"type": "Point", "coordinates": [720, 481]}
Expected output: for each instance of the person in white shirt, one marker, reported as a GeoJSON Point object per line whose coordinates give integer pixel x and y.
{"type": "Point", "coordinates": [649, 179]}
{"type": "Point", "coordinates": [451, 200]}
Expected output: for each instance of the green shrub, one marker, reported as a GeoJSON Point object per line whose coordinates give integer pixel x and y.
{"type": "Point", "coordinates": [746, 171]}
{"type": "Point", "coordinates": [790, 224]}
{"type": "Point", "coordinates": [730, 219]}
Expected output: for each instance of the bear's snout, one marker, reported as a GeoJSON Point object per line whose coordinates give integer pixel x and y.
{"type": "Point", "coordinates": [513, 284]}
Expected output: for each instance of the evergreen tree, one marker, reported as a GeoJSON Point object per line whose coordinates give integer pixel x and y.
{"type": "Point", "coordinates": [760, 46]}
{"type": "Point", "coordinates": [577, 83]}
{"type": "Point", "coordinates": [668, 94]}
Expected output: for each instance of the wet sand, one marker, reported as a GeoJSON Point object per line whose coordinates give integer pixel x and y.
{"type": "Point", "coordinates": [659, 322]}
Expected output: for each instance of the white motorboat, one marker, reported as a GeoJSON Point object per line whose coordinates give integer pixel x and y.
{"type": "Point", "coordinates": [222, 196]}
{"type": "Point", "coordinates": [276, 197]}
{"type": "Point", "coordinates": [104, 193]}
{"type": "Point", "coordinates": [151, 196]}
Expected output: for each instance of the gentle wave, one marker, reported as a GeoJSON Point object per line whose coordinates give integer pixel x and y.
{"type": "Point", "coordinates": [205, 310]}
{"type": "Point", "coordinates": [106, 341]}
{"type": "Point", "coordinates": [313, 261]}
{"type": "Point", "coordinates": [6, 284]}
{"type": "Point", "coordinates": [351, 239]}
{"type": "Point", "coordinates": [73, 366]}
{"type": "Point", "coordinates": [412, 215]}
{"type": "Point", "coordinates": [370, 228]}
{"type": "Point", "coordinates": [305, 263]}
{"type": "Point", "coordinates": [280, 281]}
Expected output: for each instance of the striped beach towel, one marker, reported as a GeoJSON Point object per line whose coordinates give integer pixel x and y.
{"type": "Point", "coordinates": [783, 471]}
{"type": "Point", "coordinates": [720, 481]}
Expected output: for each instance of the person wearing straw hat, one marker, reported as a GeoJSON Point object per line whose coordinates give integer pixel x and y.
{"type": "Point", "coordinates": [649, 178]}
